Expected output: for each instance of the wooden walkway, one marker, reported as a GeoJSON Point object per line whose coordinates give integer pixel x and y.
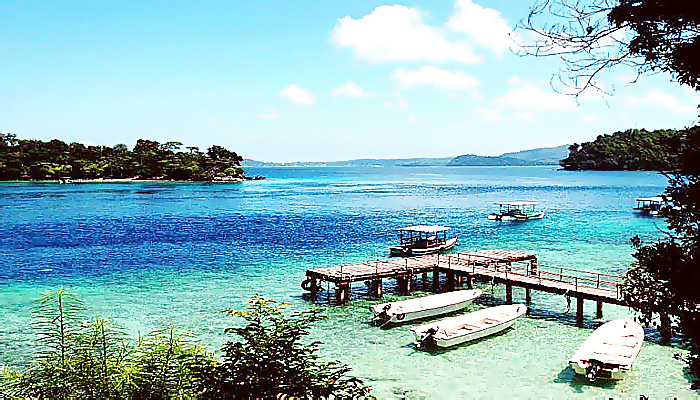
{"type": "Point", "coordinates": [508, 267]}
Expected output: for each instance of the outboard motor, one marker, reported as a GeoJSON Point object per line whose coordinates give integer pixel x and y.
{"type": "Point", "coordinates": [592, 371]}
{"type": "Point", "coordinates": [427, 336]}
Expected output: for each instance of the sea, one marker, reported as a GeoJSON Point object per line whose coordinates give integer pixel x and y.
{"type": "Point", "coordinates": [156, 254]}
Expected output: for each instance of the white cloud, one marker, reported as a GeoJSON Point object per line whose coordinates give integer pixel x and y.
{"type": "Point", "coordinates": [591, 118]}
{"type": "Point", "coordinates": [440, 78]}
{"type": "Point", "coordinates": [658, 98]}
{"type": "Point", "coordinates": [413, 118]}
{"type": "Point", "coordinates": [350, 89]}
{"type": "Point", "coordinates": [485, 26]}
{"type": "Point", "coordinates": [532, 98]}
{"type": "Point", "coordinates": [397, 33]}
{"type": "Point", "coordinates": [399, 101]}
{"type": "Point", "coordinates": [269, 114]}
{"type": "Point", "coordinates": [488, 114]}
{"type": "Point", "coordinates": [297, 95]}
{"type": "Point", "coordinates": [515, 80]}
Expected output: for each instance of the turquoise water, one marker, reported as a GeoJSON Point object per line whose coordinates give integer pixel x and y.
{"type": "Point", "coordinates": [155, 254]}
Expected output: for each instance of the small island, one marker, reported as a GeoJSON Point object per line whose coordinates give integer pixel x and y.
{"type": "Point", "coordinates": [630, 150]}
{"type": "Point", "coordinates": [36, 160]}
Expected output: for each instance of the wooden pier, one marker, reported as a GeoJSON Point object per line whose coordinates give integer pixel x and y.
{"type": "Point", "coordinates": [511, 268]}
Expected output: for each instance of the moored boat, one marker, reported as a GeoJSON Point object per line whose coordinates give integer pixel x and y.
{"type": "Point", "coordinates": [517, 211]}
{"type": "Point", "coordinates": [468, 327]}
{"type": "Point", "coordinates": [424, 307]}
{"type": "Point", "coordinates": [650, 206]}
{"type": "Point", "coordinates": [423, 239]}
{"type": "Point", "coordinates": [609, 351]}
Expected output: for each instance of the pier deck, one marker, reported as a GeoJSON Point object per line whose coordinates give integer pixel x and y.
{"type": "Point", "coordinates": [512, 268]}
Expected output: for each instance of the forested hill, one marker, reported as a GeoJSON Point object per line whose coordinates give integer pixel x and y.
{"type": "Point", "coordinates": [37, 160]}
{"type": "Point", "coordinates": [633, 149]}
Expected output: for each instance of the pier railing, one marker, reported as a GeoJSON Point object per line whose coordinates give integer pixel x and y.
{"type": "Point", "coordinates": [577, 278]}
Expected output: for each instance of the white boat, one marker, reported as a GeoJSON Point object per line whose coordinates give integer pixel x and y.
{"type": "Point", "coordinates": [424, 307]}
{"type": "Point", "coordinates": [650, 206]}
{"type": "Point", "coordinates": [472, 326]}
{"type": "Point", "coordinates": [517, 211]}
{"type": "Point", "coordinates": [423, 239]}
{"type": "Point", "coordinates": [609, 351]}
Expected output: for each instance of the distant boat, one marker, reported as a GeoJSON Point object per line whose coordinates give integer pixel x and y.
{"type": "Point", "coordinates": [422, 239]}
{"type": "Point", "coordinates": [517, 211]}
{"type": "Point", "coordinates": [472, 326]}
{"type": "Point", "coordinates": [650, 206]}
{"type": "Point", "coordinates": [423, 307]}
{"type": "Point", "coordinates": [609, 351]}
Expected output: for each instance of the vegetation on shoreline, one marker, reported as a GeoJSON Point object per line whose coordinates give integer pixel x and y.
{"type": "Point", "coordinates": [633, 149]}
{"type": "Point", "coordinates": [22, 159]}
{"type": "Point", "coordinates": [78, 357]}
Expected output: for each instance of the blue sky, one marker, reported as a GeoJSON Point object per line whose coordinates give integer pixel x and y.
{"type": "Point", "coordinates": [311, 80]}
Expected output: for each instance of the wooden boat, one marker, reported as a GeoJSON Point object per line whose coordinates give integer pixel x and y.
{"type": "Point", "coordinates": [423, 239]}
{"type": "Point", "coordinates": [472, 326]}
{"type": "Point", "coordinates": [650, 206]}
{"type": "Point", "coordinates": [609, 351]}
{"type": "Point", "coordinates": [424, 307]}
{"type": "Point", "coordinates": [517, 211]}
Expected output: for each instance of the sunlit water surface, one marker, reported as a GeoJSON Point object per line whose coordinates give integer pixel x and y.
{"type": "Point", "coordinates": [157, 254]}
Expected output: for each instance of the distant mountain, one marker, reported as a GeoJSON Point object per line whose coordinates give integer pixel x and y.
{"type": "Point", "coordinates": [542, 156]}
{"type": "Point", "coordinates": [545, 155]}
{"type": "Point", "coordinates": [363, 162]}
{"type": "Point", "coordinates": [473, 160]}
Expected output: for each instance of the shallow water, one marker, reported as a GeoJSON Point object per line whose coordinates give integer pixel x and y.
{"type": "Point", "coordinates": [160, 254]}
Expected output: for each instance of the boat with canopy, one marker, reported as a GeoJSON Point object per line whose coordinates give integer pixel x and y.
{"type": "Point", "coordinates": [423, 239]}
{"type": "Point", "coordinates": [517, 211]}
{"type": "Point", "coordinates": [650, 206]}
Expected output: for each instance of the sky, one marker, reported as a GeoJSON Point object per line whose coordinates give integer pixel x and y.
{"type": "Point", "coordinates": [306, 80]}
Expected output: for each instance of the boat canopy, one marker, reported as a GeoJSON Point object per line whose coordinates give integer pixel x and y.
{"type": "Point", "coordinates": [424, 228]}
{"type": "Point", "coordinates": [517, 203]}
{"type": "Point", "coordinates": [655, 199]}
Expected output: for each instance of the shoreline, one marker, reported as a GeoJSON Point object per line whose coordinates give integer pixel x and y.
{"type": "Point", "coordinates": [226, 179]}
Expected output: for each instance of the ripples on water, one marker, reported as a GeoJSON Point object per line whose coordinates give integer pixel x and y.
{"type": "Point", "coordinates": [155, 254]}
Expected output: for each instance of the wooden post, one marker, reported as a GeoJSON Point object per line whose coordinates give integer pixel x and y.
{"type": "Point", "coordinates": [528, 298]}
{"type": "Point", "coordinates": [342, 292]}
{"type": "Point", "coordinates": [599, 309]}
{"type": "Point", "coordinates": [459, 279]}
{"type": "Point", "coordinates": [665, 328]}
{"type": "Point", "coordinates": [424, 278]}
{"type": "Point", "coordinates": [509, 293]}
{"type": "Point", "coordinates": [375, 288]}
{"type": "Point", "coordinates": [579, 311]}
{"type": "Point", "coordinates": [450, 280]}
{"type": "Point", "coordinates": [404, 283]}
{"type": "Point", "coordinates": [469, 281]}
{"type": "Point", "coordinates": [436, 280]}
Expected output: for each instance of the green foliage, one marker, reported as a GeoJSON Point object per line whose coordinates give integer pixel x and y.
{"type": "Point", "coordinates": [34, 159]}
{"type": "Point", "coordinates": [632, 149]}
{"type": "Point", "coordinates": [667, 35]}
{"type": "Point", "coordinates": [80, 358]}
{"type": "Point", "coordinates": [271, 360]}
{"type": "Point", "coordinates": [666, 275]}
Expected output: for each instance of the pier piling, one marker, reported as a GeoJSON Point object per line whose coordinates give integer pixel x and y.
{"type": "Point", "coordinates": [528, 298]}
{"type": "Point", "coordinates": [599, 309]}
{"type": "Point", "coordinates": [375, 288]}
{"type": "Point", "coordinates": [579, 310]}
{"type": "Point", "coordinates": [509, 293]}
{"type": "Point", "coordinates": [342, 292]}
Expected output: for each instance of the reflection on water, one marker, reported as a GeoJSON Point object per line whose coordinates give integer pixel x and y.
{"type": "Point", "coordinates": [160, 254]}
